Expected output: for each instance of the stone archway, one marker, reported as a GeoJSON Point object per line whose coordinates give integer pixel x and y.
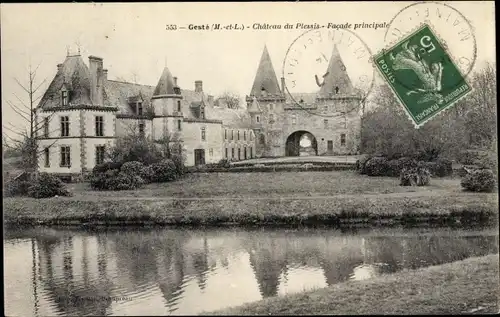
{"type": "Point", "coordinates": [301, 143]}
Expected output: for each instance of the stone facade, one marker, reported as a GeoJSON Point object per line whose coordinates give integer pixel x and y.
{"type": "Point", "coordinates": [96, 111]}
{"type": "Point", "coordinates": [274, 123]}
{"type": "Point", "coordinates": [331, 115]}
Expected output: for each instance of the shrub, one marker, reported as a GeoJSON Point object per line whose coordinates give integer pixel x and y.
{"type": "Point", "coordinates": [16, 187]}
{"type": "Point", "coordinates": [46, 185]}
{"type": "Point", "coordinates": [178, 160]}
{"type": "Point", "coordinates": [224, 163]}
{"type": "Point", "coordinates": [115, 180]}
{"type": "Point", "coordinates": [164, 171]}
{"type": "Point", "coordinates": [361, 163]}
{"type": "Point", "coordinates": [101, 168]}
{"type": "Point", "coordinates": [377, 166]}
{"type": "Point", "coordinates": [481, 180]}
{"type": "Point", "coordinates": [124, 181]}
{"type": "Point", "coordinates": [132, 168]}
{"type": "Point", "coordinates": [147, 174]}
{"type": "Point", "coordinates": [414, 176]}
{"type": "Point", "coordinates": [443, 167]}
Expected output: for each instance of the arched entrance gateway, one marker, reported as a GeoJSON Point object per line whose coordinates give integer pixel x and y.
{"type": "Point", "coordinates": [301, 143]}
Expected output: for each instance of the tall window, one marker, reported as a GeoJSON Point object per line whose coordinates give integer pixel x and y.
{"type": "Point", "coordinates": [239, 154]}
{"type": "Point", "coordinates": [251, 136]}
{"type": "Point", "coordinates": [99, 125]}
{"type": "Point", "coordinates": [211, 152]}
{"type": "Point", "coordinates": [244, 135]}
{"type": "Point", "coordinates": [141, 130]}
{"type": "Point", "coordinates": [225, 135]}
{"type": "Point", "coordinates": [64, 97]}
{"type": "Point", "coordinates": [232, 152]}
{"type": "Point", "coordinates": [203, 134]}
{"type": "Point", "coordinates": [232, 134]}
{"type": "Point", "coordinates": [238, 135]}
{"type": "Point", "coordinates": [65, 126]}
{"type": "Point", "coordinates": [178, 105]}
{"type": "Point", "coordinates": [245, 152]}
{"type": "Point", "coordinates": [342, 139]}
{"type": "Point", "coordinates": [202, 112]}
{"type": "Point", "coordinates": [325, 122]}
{"type": "Point", "coordinates": [251, 152]}
{"type": "Point", "coordinates": [257, 118]}
{"type": "Point", "coordinates": [139, 108]}
{"type": "Point", "coordinates": [100, 151]}
{"type": "Point", "coordinates": [46, 127]}
{"type": "Point", "coordinates": [65, 156]}
{"type": "Point", "coordinates": [47, 156]}
{"type": "Point", "coordinates": [179, 125]}
{"type": "Point", "coordinates": [226, 153]}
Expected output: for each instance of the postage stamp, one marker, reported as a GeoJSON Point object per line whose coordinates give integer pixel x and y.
{"type": "Point", "coordinates": [422, 75]}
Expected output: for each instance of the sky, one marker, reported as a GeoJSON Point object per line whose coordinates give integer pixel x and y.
{"type": "Point", "coordinates": [133, 41]}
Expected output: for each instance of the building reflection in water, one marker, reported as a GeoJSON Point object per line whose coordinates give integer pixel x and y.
{"type": "Point", "coordinates": [78, 272]}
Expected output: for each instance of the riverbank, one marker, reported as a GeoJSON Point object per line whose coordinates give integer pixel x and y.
{"type": "Point", "coordinates": [337, 211]}
{"type": "Point", "coordinates": [468, 286]}
{"type": "Point", "coordinates": [336, 199]}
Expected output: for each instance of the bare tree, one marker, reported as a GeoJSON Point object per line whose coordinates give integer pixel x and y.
{"type": "Point", "coordinates": [229, 100]}
{"type": "Point", "coordinates": [25, 141]}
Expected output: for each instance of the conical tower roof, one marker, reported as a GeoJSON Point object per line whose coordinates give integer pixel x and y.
{"type": "Point", "coordinates": [265, 79]}
{"type": "Point", "coordinates": [165, 85]}
{"type": "Point", "coordinates": [336, 76]}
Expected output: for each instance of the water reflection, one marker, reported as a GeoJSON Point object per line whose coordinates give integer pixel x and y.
{"type": "Point", "coordinates": [160, 272]}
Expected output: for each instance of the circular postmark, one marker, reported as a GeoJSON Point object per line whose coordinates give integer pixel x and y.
{"type": "Point", "coordinates": [454, 32]}
{"type": "Point", "coordinates": [322, 66]}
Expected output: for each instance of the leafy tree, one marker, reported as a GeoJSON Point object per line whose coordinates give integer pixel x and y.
{"type": "Point", "coordinates": [229, 100]}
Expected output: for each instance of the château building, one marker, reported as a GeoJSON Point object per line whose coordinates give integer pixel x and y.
{"type": "Point", "coordinates": [329, 118]}
{"type": "Point", "coordinates": [82, 113]}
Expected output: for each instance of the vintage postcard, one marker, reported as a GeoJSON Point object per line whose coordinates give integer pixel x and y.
{"type": "Point", "coordinates": [255, 158]}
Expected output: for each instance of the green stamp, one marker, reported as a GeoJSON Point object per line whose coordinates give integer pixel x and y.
{"type": "Point", "coordinates": [422, 75]}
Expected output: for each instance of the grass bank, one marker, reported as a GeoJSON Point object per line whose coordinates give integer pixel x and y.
{"type": "Point", "coordinates": [337, 211]}
{"type": "Point", "coordinates": [340, 198]}
{"type": "Point", "coordinates": [462, 287]}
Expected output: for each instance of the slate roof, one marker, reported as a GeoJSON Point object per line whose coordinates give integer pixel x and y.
{"type": "Point", "coordinates": [337, 76]}
{"type": "Point", "coordinates": [265, 77]}
{"type": "Point", "coordinates": [165, 85]}
{"type": "Point", "coordinates": [119, 94]}
{"type": "Point", "coordinates": [231, 118]}
{"type": "Point", "coordinates": [73, 73]}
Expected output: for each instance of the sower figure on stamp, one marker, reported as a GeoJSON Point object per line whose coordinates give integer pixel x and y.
{"type": "Point", "coordinates": [430, 76]}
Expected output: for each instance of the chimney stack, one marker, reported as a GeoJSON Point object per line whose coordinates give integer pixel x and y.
{"type": "Point", "coordinates": [175, 82]}
{"type": "Point", "coordinates": [198, 86]}
{"type": "Point", "coordinates": [59, 67]}
{"type": "Point", "coordinates": [96, 80]}
{"type": "Point", "coordinates": [283, 84]}
{"type": "Point", "coordinates": [104, 75]}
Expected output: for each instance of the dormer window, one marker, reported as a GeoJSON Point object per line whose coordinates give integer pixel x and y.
{"type": "Point", "coordinates": [202, 112]}
{"type": "Point", "coordinates": [139, 108]}
{"type": "Point", "coordinates": [64, 97]}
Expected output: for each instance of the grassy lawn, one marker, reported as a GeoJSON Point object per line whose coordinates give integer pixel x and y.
{"type": "Point", "coordinates": [274, 184]}
{"type": "Point", "coordinates": [461, 287]}
{"type": "Point", "coordinates": [303, 198]}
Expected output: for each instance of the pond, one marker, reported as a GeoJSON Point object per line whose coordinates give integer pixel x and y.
{"type": "Point", "coordinates": [186, 271]}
